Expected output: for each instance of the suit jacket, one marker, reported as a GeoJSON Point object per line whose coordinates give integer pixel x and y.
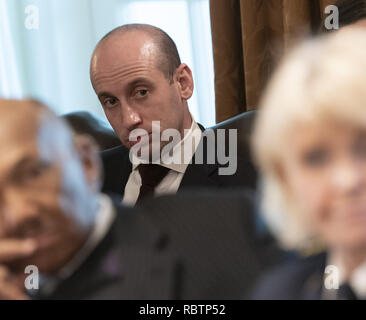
{"type": "Point", "coordinates": [196, 245]}
{"type": "Point", "coordinates": [127, 264]}
{"type": "Point", "coordinates": [297, 279]}
{"type": "Point", "coordinates": [117, 168]}
{"type": "Point", "coordinates": [220, 237]}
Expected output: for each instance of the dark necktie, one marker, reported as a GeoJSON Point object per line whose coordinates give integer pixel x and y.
{"type": "Point", "coordinates": [345, 292]}
{"type": "Point", "coordinates": [151, 176]}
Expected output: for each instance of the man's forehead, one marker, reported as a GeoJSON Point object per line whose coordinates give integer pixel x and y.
{"type": "Point", "coordinates": [134, 47]}
{"type": "Point", "coordinates": [28, 133]}
{"type": "Point", "coordinates": [18, 116]}
{"type": "Point", "coordinates": [24, 124]}
{"type": "Point", "coordinates": [123, 72]}
{"type": "Point", "coordinates": [17, 141]}
{"type": "Point", "coordinates": [131, 40]}
{"type": "Point", "coordinates": [10, 108]}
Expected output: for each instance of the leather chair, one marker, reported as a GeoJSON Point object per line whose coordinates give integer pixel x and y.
{"type": "Point", "coordinates": [84, 122]}
{"type": "Point", "coordinates": [244, 125]}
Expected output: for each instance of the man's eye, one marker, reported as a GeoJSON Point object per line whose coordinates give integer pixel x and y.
{"type": "Point", "coordinates": [38, 170]}
{"type": "Point", "coordinates": [32, 173]}
{"type": "Point", "coordinates": [110, 102]}
{"type": "Point", "coordinates": [141, 93]}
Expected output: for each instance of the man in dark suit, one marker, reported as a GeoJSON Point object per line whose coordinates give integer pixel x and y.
{"type": "Point", "coordinates": [81, 245]}
{"type": "Point", "coordinates": [143, 87]}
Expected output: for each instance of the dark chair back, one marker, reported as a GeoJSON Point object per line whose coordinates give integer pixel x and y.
{"type": "Point", "coordinates": [84, 122]}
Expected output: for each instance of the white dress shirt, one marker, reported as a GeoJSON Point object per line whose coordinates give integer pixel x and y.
{"type": "Point", "coordinates": [171, 182]}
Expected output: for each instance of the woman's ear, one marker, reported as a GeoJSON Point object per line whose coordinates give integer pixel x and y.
{"type": "Point", "coordinates": [88, 152]}
{"type": "Point", "coordinates": [184, 79]}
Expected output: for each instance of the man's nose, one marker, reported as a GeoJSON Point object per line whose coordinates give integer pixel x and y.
{"type": "Point", "coordinates": [130, 117]}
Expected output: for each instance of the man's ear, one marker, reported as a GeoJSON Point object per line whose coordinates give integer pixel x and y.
{"type": "Point", "coordinates": [184, 79]}
{"type": "Point", "coordinates": [88, 152]}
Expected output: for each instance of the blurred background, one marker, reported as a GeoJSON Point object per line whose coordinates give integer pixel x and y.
{"type": "Point", "coordinates": [45, 47]}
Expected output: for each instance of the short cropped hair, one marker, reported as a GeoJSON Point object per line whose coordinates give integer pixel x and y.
{"type": "Point", "coordinates": [168, 59]}
{"type": "Point", "coordinates": [321, 81]}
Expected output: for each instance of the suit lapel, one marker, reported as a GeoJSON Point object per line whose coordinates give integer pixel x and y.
{"type": "Point", "coordinates": [146, 269]}
{"type": "Point", "coordinates": [126, 168]}
{"type": "Point", "coordinates": [200, 175]}
{"type": "Point", "coordinates": [127, 264]}
{"type": "Point", "coordinates": [130, 273]}
{"type": "Point", "coordinates": [313, 286]}
{"type": "Point", "coordinates": [118, 171]}
{"type": "Point", "coordinates": [155, 272]}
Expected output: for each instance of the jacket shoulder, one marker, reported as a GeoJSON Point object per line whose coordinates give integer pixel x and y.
{"type": "Point", "coordinates": [113, 152]}
{"type": "Point", "coordinates": [286, 281]}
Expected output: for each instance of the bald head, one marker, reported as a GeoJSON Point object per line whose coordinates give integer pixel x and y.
{"type": "Point", "coordinates": [27, 121]}
{"type": "Point", "coordinates": [166, 54]}
{"type": "Point", "coordinates": [20, 111]}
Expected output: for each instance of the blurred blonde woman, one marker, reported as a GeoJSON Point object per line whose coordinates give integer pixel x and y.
{"type": "Point", "coordinates": [310, 145]}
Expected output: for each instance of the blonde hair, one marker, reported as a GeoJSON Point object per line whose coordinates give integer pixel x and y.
{"type": "Point", "coordinates": [322, 80]}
